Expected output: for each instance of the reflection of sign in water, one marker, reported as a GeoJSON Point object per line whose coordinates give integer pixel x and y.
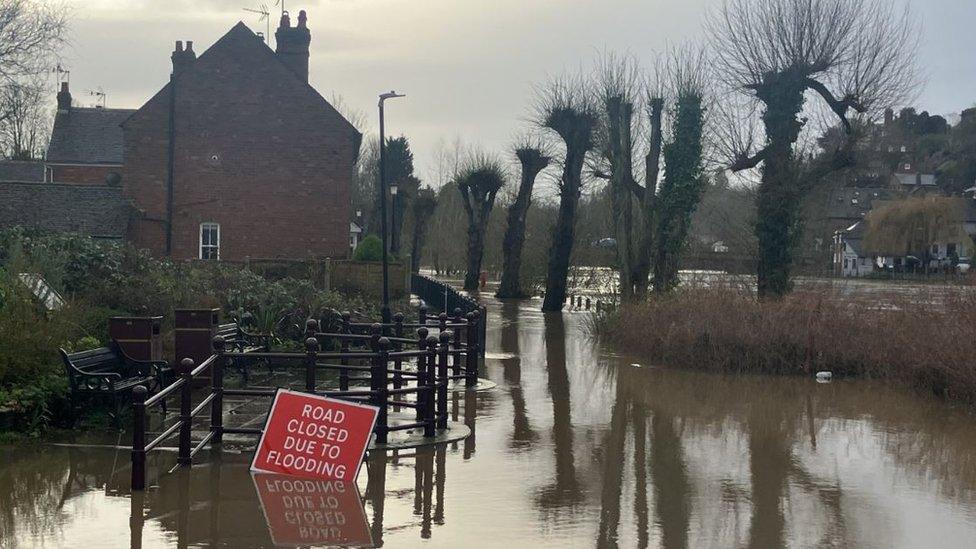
{"type": "Point", "coordinates": [313, 436]}
{"type": "Point", "coordinates": [302, 511]}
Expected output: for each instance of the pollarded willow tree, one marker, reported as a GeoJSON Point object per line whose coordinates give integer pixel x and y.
{"type": "Point", "coordinates": [479, 182]}
{"type": "Point", "coordinates": [424, 206]}
{"type": "Point", "coordinates": [566, 108]}
{"type": "Point", "coordinates": [656, 235]}
{"type": "Point", "coordinates": [532, 159]}
{"type": "Point", "coordinates": [854, 55]}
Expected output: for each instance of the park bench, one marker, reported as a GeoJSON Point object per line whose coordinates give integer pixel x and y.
{"type": "Point", "coordinates": [108, 373]}
{"type": "Point", "coordinates": [239, 340]}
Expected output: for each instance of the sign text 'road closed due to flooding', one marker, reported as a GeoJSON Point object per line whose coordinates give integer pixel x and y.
{"type": "Point", "coordinates": [315, 437]}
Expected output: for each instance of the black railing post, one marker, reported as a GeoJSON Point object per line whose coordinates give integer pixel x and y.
{"type": "Point", "coordinates": [311, 327]}
{"type": "Point", "coordinates": [217, 408]}
{"type": "Point", "coordinates": [471, 357]}
{"type": "Point", "coordinates": [421, 368]}
{"type": "Point", "coordinates": [442, 378]}
{"type": "Point", "coordinates": [456, 344]}
{"type": "Point", "coordinates": [344, 361]}
{"type": "Point", "coordinates": [434, 385]}
{"type": "Point", "coordinates": [139, 437]}
{"type": "Point", "coordinates": [186, 421]}
{"type": "Point", "coordinates": [422, 315]}
{"type": "Point", "coordinates": [311, 357]}
{"type": "Point", "coordinates": [397, 362]}
{"type": "Point", "coordinates": [346, 316]}
{"type": "Point", "coordinates": [377, 384]}
{"type": "Point", "coordinates": [442, 321]}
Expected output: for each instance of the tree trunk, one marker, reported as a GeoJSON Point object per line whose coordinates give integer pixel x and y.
{"type": "Point", "coordinates": [642, 263]}
{"type": "Point", "coordinates": [619, 115]}
{"type": "Point", "coordinates": [476, 248]}
{"type": "Point", "coordinates": [779, 195]}
{"type": "Point", "coordinates": [564, 232]}
{"type": "Point", "coordinates": [681, 191]}
{"type": "Point", "coordinates": [417, 244]}
{"type": "Point", "coordinates": [511, 284]}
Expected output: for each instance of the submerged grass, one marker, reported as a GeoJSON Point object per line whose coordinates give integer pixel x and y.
{"type": "Point", "coordinates": [922, 345]}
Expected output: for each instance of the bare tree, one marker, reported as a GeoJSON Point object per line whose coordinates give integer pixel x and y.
{"type": "Point", "coordinates": [855, 55]}
{"type": "Point", "coordinates": [565, 107]}
{"type": "Point", "coordinates": [533, 159]}
{"type": "Point", "coordinates": [32, 32]}
{"type": "Point", "coordinates": [479, 182]}
{"type": "Point", "coordinates": [26, 120]}
{"type": "Point", "coordinates": [424, 205]}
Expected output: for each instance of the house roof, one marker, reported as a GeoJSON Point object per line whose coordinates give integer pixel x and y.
{"type": "Point", "coordinates": [98, 211]}
{"type": "Point", "coordinates": [854, 203]}
{"type": "Point", "coordinates": [252, 48]}
{"type": "Point", "coordinates": [18, 170]}
{"type": "Point", "coordinates": [87, 136]}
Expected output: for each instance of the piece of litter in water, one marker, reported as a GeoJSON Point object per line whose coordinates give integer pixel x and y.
{"type": "Point", "coordinates": [824, 377]}
{"type": "Point", "coordinates": [635, 365]}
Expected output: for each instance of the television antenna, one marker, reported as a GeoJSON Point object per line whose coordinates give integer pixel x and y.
{"type": "Point", "coordinates": [100, 95]}
{"type": "Point", "coordinates": [262, 10]}
{"type": "Point", "coordinates": [63, 74]}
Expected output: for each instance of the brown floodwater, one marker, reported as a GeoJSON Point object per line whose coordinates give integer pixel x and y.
{"type": "Point", "coordinates": [575, 447]}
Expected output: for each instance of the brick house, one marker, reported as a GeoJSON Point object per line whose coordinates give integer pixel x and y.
{"type": "Point", "coordinates": [86, 143]}
{"type": "Point", "coordinates": [245, 159]}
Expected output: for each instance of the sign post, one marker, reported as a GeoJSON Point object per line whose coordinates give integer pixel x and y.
{"type": "Point", "coordinates": [314, 437]}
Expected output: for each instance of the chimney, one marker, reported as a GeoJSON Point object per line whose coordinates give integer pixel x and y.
{"type": "Point", "coordinates": [292, 44]}
{"type": "Point", "coordinates": [183, 58]}
{"type": "Point", "coordinates": [64, 98]}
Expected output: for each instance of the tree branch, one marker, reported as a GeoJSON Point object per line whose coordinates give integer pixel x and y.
{"type": "Point", "coordinates": [744, 162]}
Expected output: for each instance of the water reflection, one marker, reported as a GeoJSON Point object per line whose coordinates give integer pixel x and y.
{"type": "Point", "coordinates": [574, 448]}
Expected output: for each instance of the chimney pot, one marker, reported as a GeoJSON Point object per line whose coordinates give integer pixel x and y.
{"type": "Point", "coordinates": [179, 45]}
{"type": "Point", "coordinates": [189, 46]}
{"type": "Point", "coordinates": [64, 98]}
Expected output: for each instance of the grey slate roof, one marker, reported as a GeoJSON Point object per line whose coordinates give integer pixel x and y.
{"type": "Point", "coordinates": [97, 211]}
{"type": "Point", "coordinates": [87, 136]}
{"type": "Point", "coordinates": [19, 170]}
{"type": "Point", "coordinates": [854, 203]}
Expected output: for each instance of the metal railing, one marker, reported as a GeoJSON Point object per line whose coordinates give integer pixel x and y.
{"type": "Point", "coordinates": [395, 368]}
{"type": "Point", "coordinates": [447, 299]}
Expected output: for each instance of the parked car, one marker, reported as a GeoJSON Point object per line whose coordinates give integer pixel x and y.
{"type": "Point", "coordinates": [964, 264]}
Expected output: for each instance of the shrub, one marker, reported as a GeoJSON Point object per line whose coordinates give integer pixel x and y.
{"type": "Point", "coordinates": [370, 249]}
{"type": "Point", "coordinates": [923, 346]}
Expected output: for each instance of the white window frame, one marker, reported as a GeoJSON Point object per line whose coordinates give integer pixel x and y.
{"type": "Point", "coordinates": [209, 225]}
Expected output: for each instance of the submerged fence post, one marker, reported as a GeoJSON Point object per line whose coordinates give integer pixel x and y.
{"type": "Point", "coordinates": [422, 370]}
{"type": "Point", "coordinates": [377, 382]}
{"type": "Point", "coordinates": [139, 437]}
{"type": "Point", "coordinates": [311, 357]}
{"type": "Point", "coordinates": [471, 357]}
{"type": "Point", "coordinates": [434, 385]}
{"type": "Point", "coordinates": [442, 378]}
{"type": "Point", "coordinates": [397, 362]}
{"type": "Point", "coordinates": [186, 421]}
{"type": "Point", "coordinates": [217, 408]}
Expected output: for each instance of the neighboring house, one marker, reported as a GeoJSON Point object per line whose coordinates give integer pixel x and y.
{"type": "Point", "coordinates": [355, 233]}
{"type": "Point", "coordinates": [849, 258]}
{"type": "Point", "coordinates": [86, 143]}
{"type": "Point", "coordinates": [95, 210]}
{"type": "Point", "coordinates": [261, 163]}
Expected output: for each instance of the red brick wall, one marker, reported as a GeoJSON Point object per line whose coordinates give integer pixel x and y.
{"type": "Point", "coordinates": [257, 151]}
{"type": "Point", "coordinates": [87, 175]}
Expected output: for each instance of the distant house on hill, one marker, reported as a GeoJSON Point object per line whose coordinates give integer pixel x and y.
{"type": "Point", "coordinates": [236, 157]}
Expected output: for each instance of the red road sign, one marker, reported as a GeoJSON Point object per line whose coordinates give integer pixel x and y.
{"type": "Point", "coordinates": [311, 512]}
{"type": "Point", "coordinates": [315, 437]}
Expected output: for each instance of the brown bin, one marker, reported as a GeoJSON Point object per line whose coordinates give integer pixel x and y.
{"type": "Point", "coordinates": [139, 337]}
{"type": "Point", "coordinates": [195, 330]}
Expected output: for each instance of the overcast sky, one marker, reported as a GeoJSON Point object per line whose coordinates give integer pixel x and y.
{"type": "Point", "coordinates": [468, 66]}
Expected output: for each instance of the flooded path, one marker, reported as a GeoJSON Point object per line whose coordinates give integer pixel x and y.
{"type": "Point", "coordinates": [576, 447]}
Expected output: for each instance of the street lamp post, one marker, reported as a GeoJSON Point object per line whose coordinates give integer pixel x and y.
{"type": "Point", "coordinates": [394, 234]}
{"type": "Point", "coordinates": [383, 215]}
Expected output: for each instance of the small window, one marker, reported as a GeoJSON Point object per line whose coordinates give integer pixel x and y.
{"type": "Point", "coordinates": [210, 241]}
